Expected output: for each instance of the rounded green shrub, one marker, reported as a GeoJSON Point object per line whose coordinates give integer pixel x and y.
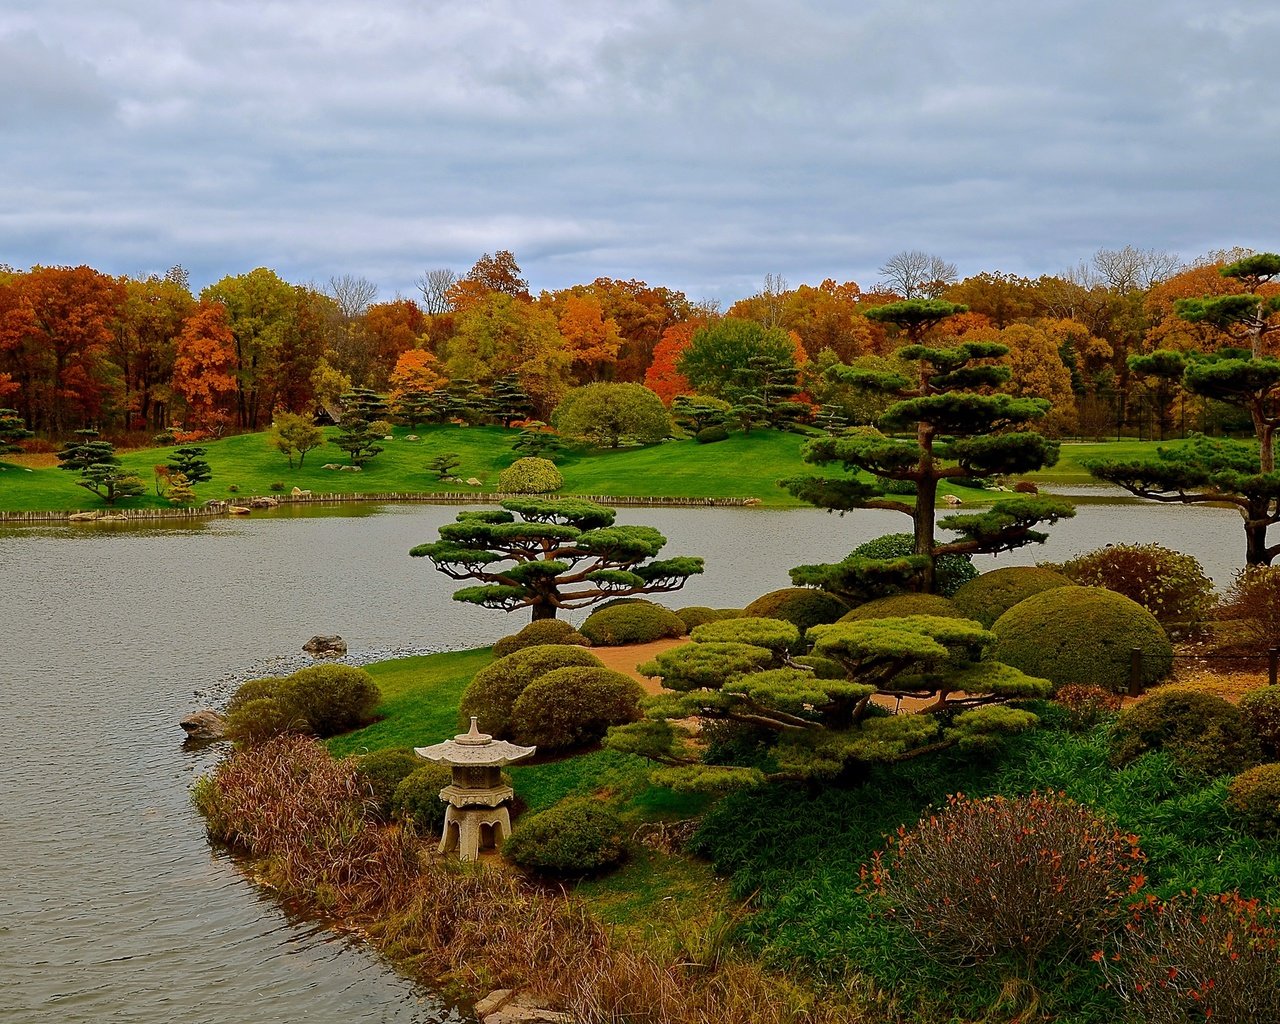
{"type": "Point", "coordinates": [712, 434]}
{"type": "Point", "coordinates": [901, 605]}
{"type": "Point", "coordinates": [993, 593]}
{"type": "Point", "coordinates": [493, 690]}
{"type": "Point", "coordinates": [695, 615]}
{"type": "Point", "coordinates": [1082, 635]}
{"type": "Point", "coordinates": [950, 572]}
{"type": "Point", "coordinates": [1170, 585]}
{"type": "Point", "coordinates": [1254, 794]}
{"type": "Point", "coordinates": [542, 631]}
{"type": "Point", "coordinates": [1200, 731]}
{"type": "Point", "coordinates": [576, 836]}
{"type": "Point", "coordinates": [800, 606]}
{"type": "Point", "coordinates": [383, 771]}
{"type": "Point", "coordinates": [416, 799]}
{"type": "Point", "coordinates": [639, 622]}
{"type": "Point", "coordinates": [530, 476]}
{"type": "Point", "coordinates": [1261, 710]}
{"type": "Point", "coordinates": [772, 634]}
{"type": "Point", "coordinates": [261, 718]}
{"type": "Point", "coordinates": [334, 698]}
{"type": "Point", "coordinates": [569, 707]}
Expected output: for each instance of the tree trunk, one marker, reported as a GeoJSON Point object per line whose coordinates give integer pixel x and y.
{"type": "Point", "coordinates": [1255, 533]}
{"type": "Point", "coordinates": [542, 610]}
{"type": "Point", "coordinates": [926, 504]}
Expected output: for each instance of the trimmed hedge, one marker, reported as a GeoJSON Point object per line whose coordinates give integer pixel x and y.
{"type": "Point", "coordinates": [902, 605]}
{"type": "Point", "coordinates": [993, 593]}
{"type": "Point", "coordinates": [712, 434]}
{"type": "Point", "coordinates": [494, 689]}
{"type": "Point", "coordinates": [800, 606]}
{"type": "Point", "coordinates": [950, 572]}
{"type": "Point", "coordinates": [638, 622]}
{"type": "Point", "coordinates": [417, 797]}
{"type": "Point", "coordinates": [530, 476]}
{"type": "Point", "coordinates": [569, 707]}
{"type": "Point", "coordinates": [536, 634]}
{"type": "Point", "coordinates": [1255, 796]}
{"type": "Point", "coordinates": [574, 837]}
{"type": "Point", "coordinates": [322, 700]}
{"type": "Point", "coordinates": [1082, 635]}
{"type": "Point", "coordinates": [695, 615]}
{"type": "Point", "coordinates": [1200, 731]}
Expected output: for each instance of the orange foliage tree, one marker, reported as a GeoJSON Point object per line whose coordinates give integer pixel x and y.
{"type": "Point", "coordinates": [204, 367]}
{"type": "Point", "coordinates": [391, 329]}
{"type": "Point", "coordinates": [662, 377]}
{"type": "Point", "coordinates": [415, 370]}
{"type": "Point", "coordinates": [591, 338]}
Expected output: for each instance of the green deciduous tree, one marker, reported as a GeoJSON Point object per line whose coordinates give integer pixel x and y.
{"type": "Point", "coordinates": [559, 553]}
{"type": "Point", "coordinates": [609, 415]}
{"type": "Point", "coordinates": [295, 434]}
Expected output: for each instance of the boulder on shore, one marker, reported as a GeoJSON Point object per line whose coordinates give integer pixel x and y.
{"type": "Point", "coordinates": [204, 726]}
{"type": "Point", "coordinates": [325, 647]}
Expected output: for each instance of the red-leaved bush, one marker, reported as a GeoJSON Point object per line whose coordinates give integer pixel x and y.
{"type": "Point", "coordinates": [1007, 878]}
{"type": "Point", "coordinates": [1198, 958]}
{"type": "Point", "coordinates": [1087, 705]}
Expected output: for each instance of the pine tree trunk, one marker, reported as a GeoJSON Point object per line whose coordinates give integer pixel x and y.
{"type": "Point", "coordinates": [926, 504]}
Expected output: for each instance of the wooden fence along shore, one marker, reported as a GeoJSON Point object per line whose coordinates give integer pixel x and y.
{"type": "Point", "coordinates": [221, 507]}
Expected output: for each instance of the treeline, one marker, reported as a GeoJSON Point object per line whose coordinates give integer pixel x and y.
{"type": "Point", "coordinates": [81, 349]}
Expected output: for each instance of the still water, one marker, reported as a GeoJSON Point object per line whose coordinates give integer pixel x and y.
{"type": "Point", "coordinates": [113, 907]}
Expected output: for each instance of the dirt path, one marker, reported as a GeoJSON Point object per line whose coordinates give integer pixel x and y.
{"type": "Point", "coordinates": [625, 659]}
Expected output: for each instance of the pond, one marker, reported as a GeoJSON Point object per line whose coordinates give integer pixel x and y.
{"type": "Point", "coordinates": [115, 906]}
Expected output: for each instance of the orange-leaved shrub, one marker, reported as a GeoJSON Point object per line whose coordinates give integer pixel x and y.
{"type": "Point", "coordinates": [1007, 878]}
{"type": "Point", "coordinates": [1086, 706]}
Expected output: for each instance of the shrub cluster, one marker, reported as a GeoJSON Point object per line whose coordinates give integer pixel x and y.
{"type": "Point", "coordinates": [1170, 585]}
{"type": "Point", "coordinates": [323, 700]}
{"type": "Point", "coordinates": [537, 633]}
{"type": "Point", "coordinates": [493, 690]}
{"type": "Point", "coordinates": [1201, 731]}
{"type": "Point", "coordinates": [901, 605]}
{"type": "Point", "coordinates": [695, 615]}
{"type": "Point", "coordinates": [801, 606]}
{"type": "Point", "coordinates": [1086, 706]}
{"type": "Point", "coordinates": [383, 770]}
{"type": "Point", "coordinates": [1082, 635]}
{"type": "Point", "coordinates": [1008, 878]}
{"type": "Point", "coordinates": [530, 476]}
{"type": "Point", "coordinates": [1255, 796]}
{"type": "Point", "coordinates": [637, 622]}
{"type": "Point", "coordinates": [1261, 711]}
{"type": "Point", "coordinates": [417, 798]}
{"type": "Point", "coordinates": [712, 434]}
{"type": "Point", "coordinates": [1254, 598]}
{"type": "Point", "coordinates": [993, 593]}
{"type": "Point", "coordinates": [950, 572]}
{"type": "Point", "coordinates": [576, 836]}
{"type": "Point", "coordinates": [569, 707]}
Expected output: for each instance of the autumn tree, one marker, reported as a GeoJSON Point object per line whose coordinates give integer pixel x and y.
{"type": "Point", "coordinates": [390, 330]}
{"type": "Point", "coordinates": [204, 366]}
{"type": "Point", "coordinates": [662, 377]}
{"type": "Point", "coordinates": [498, 274]}
{"type": "Point", "coordinates": [591, 338]}
{"type": "Point", "coordinates": [559, 553]}
{"type": "Point", "coordinates": [144, 345]}
{"type": "Point", "coordinates": [1037, 371]}
{"type": "Point", "coordinates": [415, 370]}
{"type": "Point", "coordinates": [294, 434]}
{"type": "Point", "coordinates": [958, 432]}
{"type": "Point", "coordinates": [642, 313]}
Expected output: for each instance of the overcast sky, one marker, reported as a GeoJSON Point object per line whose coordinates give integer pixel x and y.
{"type": "Point", "coordinates": [698, 145]}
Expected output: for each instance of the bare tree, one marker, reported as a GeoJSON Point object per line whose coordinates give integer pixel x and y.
{"type": "Point", "coordinates": [918, 275]}
{"type": "Point", "coordinates": [352, 294]}
{"type": "Point", "coordinates": [435, 285]}
{"type": "Point", "coordinates": [775, 287]}
{"type": "Point", "coordinates": [1132, 269]}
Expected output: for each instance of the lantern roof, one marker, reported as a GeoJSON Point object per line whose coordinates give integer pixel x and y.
{"type": "Point", "coordinates": [474, 749]}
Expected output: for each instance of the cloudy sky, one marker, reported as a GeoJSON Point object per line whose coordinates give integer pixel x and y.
{"type": "Point", "coordinates": [697, 144]}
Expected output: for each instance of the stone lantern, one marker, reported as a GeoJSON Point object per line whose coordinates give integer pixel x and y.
{"type": "Point", "coordinates": [476, 796]}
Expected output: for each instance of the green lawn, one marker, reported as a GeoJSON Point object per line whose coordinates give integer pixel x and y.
{"type": "Point", "coordinates": [1070, 471]}
{"type": "Point", "coordinates": [741, 467]}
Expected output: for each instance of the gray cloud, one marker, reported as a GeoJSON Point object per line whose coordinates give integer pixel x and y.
{"type": "Point", "coordinates": [698, 145]}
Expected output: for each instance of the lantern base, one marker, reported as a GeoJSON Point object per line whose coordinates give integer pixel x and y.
{"type": "Point", "coordinates": [463, 829]}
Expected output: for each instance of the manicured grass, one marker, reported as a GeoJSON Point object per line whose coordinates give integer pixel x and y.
{"type": "Point", "coordinates": [1069, 469]}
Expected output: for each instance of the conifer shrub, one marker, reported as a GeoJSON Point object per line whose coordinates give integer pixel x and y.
{"type": "Point", "coordinates": [712, 434]}
{"type": "Point", "coordinates": [637, 622]}
{"type": "Point", "coordinates": [901, 605]}
{"type": "Point", "coordinates": [1170, 585]}
{"type": "Point", "coordinates": [530, 476]}
{"type": "Point", "coordinates": [695, 615]}
{"type": "Point", "coordinates": [950, 572]}
{"type": "Point", "coordinates": [570, 707]}
{"type": "Point", "coordinates": [801, 606]}
{"type": "Point", "coordinates": [1254, 794]}
{"type": "Point", "coordinates": [539, 632]}
{"type": "Point", "coordinates": [493, 690]}
{"type": "Point", "coordinates": [417, 797]}
{"type": "Point", "coordinates": [577, 836]}
{"type": "Point", "coordinates": [990, 595]}
{"type": "Point", "coordinates": [1261, 711]}
{"type": "Point", "coordinates": [1202, 732]}
{"type": "Point", "coordinates": [773, 635]}
{"type": "Point", "coordinates": [1008, 878]}
{"type": "Point", "coordinates": [823, 668]}
{"type": "Point", "coordinates": [383, 770]}
{"type": "Point", "coordinates": [1087, 706]}
{"type": "Point", "coordinates": [1082, 635]}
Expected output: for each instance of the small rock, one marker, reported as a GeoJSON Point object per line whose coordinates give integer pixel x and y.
{"type": "Point", "coordinates": [952, 500]}
{"type": "Point", "coordinates": [519, 1013]}
{"type": "Point", "coordinates": [493, 1002]}
{"type": "Point", "coordinates": [389, 437]}
{"type": "Point", "coordinates": [237, 510]}
{"type": "Point", "coordinates": [84, 517]}
{"type": "Point", "coordinates": [351, 469]}
{"type": "Point", "coordinates": [204, 726]}
{"type": "Point", "coordinates": [332, 465]}
{"type": "Point", "coordinates": [264, 502]}
{"type": "Point", "coordinates": [411, 437]}
{"type": "Point", "coordinates": [325, 647]}
{"type": "Point", "coordinates": [113, 517]}
{"type": "Point", "coordinates": [473, 481]}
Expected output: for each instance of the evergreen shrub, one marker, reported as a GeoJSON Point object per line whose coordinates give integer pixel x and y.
{"type": "Point", "coordinates": [530, 476]}
{"type": "Point", "coordinates": [323, 700]}
{"type": "Point", "coordinates": [801, 606]}
{"type": "Point", "coordinates": [1170, 585]}
{"type": "Point", "coordinates": [993, 593]}
{"type": "Point", "coordinates": [541, 631]}
{"type": "Point", "coordinates": [417, 797]}
{"type": "Point", "coordinates": [710, 435]}
{"type": "Point", "coordinates": [493, 690]}
{"type": "Point", "coordinates": [1202, 732]}
{"type": "Point", "coordinates": [823, 668]}
{"type": "Point", "coordinates": [1082, 635]}
{"type": "Point", "coordinates": [951, 572]}
{"type": "Point", "coordinates": [577, 836]}
{"type": "Point", "coordinates": [1261, 710]}
{"type": "Point", "coordinates": [902, 605]}
{"type": "Point", "coordinates": [772, 634]}
{"type": "Point", "coordinates": [1254, 794]}
{"type": "Point", "coordinates": [638, 622]}
{"type": "Point", "coordinates": [383, 770]}
{"type": "Point", "coordinates": [569, 707]}
{"type": "Point", "coordinates": [695, 615]}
